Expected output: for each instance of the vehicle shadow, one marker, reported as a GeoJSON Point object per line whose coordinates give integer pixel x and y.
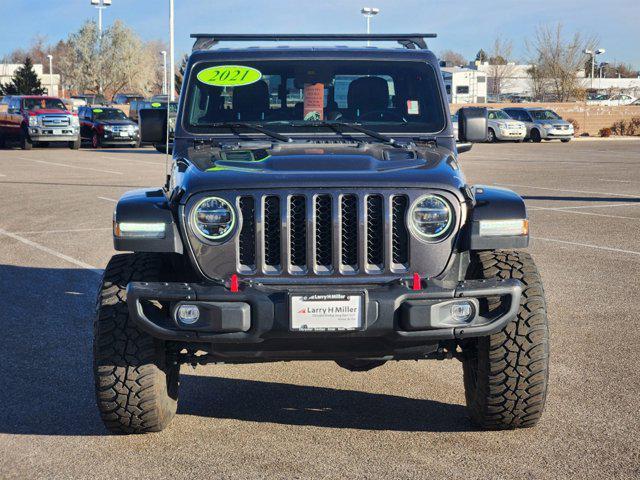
{"type": "Point", "coordinates": [283, 403]}
{"type": "Point", "coordinates": [144, 149]}
{"type": "Point", "coordinates": [46, 358]}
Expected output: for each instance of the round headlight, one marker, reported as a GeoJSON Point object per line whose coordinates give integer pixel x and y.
{"type": "Point", "coordinates": [430, 217]}
{"type": "Point", "coordinates": [213, 218]}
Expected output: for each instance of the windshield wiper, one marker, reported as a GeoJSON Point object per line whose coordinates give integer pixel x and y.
{"type": "Point", "coordinates": [358, 128]}
{"type": "Point", "coordinates": [233, 126]}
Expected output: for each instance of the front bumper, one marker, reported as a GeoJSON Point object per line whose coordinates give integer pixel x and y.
{"type": "Point", "coordinates": [50, 134]}
{"type": "Point", "coordinates": [387, 311]}
{"type": "Point", "coordinates": [556, 133]}
{"type": "Point", "coordinates": [511, 134]}
{"type": "Point", "coordinates": [111, 138]}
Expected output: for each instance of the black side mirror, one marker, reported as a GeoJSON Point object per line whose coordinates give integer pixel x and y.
{"type": "Point", "coordinates": [473, 124]}
{"type": "Point", "coordinates": [153, 125]}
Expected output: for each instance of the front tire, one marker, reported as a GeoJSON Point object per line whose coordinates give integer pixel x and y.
{"type": "Point", "coordinates": [491, 136]}
{"type": "Point", "coordinates": [136, 383]}
{"type": "Point", "coordinates": [75, 145]}
{"type": "Point", "coordinates": [95, 140]}
{"type": "Point", "coordinates": [535, 136]}
{"type": "Point", "coordinates": [25, 141]}
{"type": "Point", "coordinates": [565, 140]}
{"type": "Point", "coordinates": [506, 374]}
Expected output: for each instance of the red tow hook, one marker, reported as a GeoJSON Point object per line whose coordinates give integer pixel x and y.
{"type": "Point", "coordinates": [234, 285]}
{"type": "Point", "coordinates": [417, 283]}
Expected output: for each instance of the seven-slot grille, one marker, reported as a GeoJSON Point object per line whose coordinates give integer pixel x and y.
{"type": "Point", "coordinates": [323, 233]}
{"type": "Point", "coordinates": [56, 121]}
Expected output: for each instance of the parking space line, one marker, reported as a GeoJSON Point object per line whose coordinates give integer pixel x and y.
{"type": "Point", "coordinates": [70, 166]}
{"type": "Point", "coordinates": [587, 245]}
{"type": "Point", "coordinates": [48, 250]}
{"type": "Point", "coordinates": [575, 207]}
{"type": "Point", "coordinates": [69, 230]}
{"type": "Point", "coordinates": [108, 199]}
{"type": "Point", "coordinates": [617, 181]}
{"type": "Point", "coordinates": [627, 195]}
{"type": "Point", "coordinates": [560, 210]}
{"type": "Point", "coordinates": [132, 160]}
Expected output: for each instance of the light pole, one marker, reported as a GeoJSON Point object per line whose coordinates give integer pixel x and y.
{"type": "Point", "coordinates": [172, 76]}
{"type": "Point", "coordinates": [602, 65]}
{"type": "Point", "coordinates": [593, 54]}
{"type": "Point", "coordinates": [368, 13]}
{"type": "Point", "coordinates": [100, 5]}
{"type": "Point", "coordinates": [50, 57]}
{"type": "Point", "coordinates": [164, 71]}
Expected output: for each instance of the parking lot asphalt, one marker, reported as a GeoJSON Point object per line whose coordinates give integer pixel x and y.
{"type": "Point", "coordinates": [313, 419]}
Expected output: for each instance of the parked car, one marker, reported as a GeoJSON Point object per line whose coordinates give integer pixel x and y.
{"type": "Point", "coordinates": [33, 119]}
{"type": "Point", "coordinates": [107, 126]}
{"type": "Point", "coordinates": [137, 105]}
{"type": "Point", "coordinates": [503, 127]}
{"type": "Point", "coordinates": [126, 98]}
{"type": "Point", "coordinates": [341, 229]}
{"type": "Point", "coordinates": [454, 124]}
{"type": "Point", "coordinates": [542, 123]}
{"type": "Point", "coordinates": [613, 100]}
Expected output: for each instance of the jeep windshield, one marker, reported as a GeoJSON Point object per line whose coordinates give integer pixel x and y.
{"type": "Point", "coordinates": [302, 96]}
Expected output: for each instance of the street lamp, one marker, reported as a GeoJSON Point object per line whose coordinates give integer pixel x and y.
{"type": "Point", "coordinates": [602, 65]}
{"type": "Point", "coordinates": [164, 74]}
{"type": "Point", "coordinates": [172, 76]}
{"type": "Point", "coordinates": [100, 5]}
{"type": "Point", "coordinates": [50, 57]}
{"type": "Point", "coordinates": [368, 13]}
{"type": "Point", "coordinates": [593, 60]}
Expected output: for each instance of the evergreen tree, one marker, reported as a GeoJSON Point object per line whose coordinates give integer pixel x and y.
{"type": "Point", "coordinates": [481, 56]}
{"type": "Point", "coordinates": [24, 81]}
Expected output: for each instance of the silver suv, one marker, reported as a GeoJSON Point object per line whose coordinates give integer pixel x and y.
{"type": "Point", "coordinates": [542, 123]}
{"type": "Point", "coordinates": [503, 127]}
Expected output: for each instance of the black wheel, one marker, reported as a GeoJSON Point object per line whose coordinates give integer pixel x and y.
{"type": "Point", "coordinates": [136, 383]}
{"type": "Point", "coordinates": [75, 145]}
{"type": "Point", "coordinates": [95, 140]}
{"type": "Point", "coordinates": [506, 375]}
{"type": "Point", "coordinates": [491, 136]}
{"type": "Point", "coordinates": [535, 136]}
{"type": "Point", "coordinates": [565, 140]}
{"type": "Point", "coordinates": [25, 141]}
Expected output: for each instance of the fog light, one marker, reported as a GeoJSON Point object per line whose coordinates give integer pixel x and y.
{"type": "Point", "coordinates": [461, 312]}
{"type": "Point", "coordinates": [188, 314]}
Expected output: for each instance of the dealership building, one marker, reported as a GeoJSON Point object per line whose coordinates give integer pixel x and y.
{"type": "Point", "coordinates": [7, 70]}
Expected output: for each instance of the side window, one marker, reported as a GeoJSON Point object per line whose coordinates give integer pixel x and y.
{"type": "Point", "coordinates": [462, 89]}
{"type": "Point", "coordinates": [492, 115]}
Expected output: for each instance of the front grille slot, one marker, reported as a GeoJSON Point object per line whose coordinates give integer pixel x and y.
{"type": "Point", "coordinates": [400, 235]}
{"type": "Point", "coordinates": [56, 121]}
{"type": "Point", "coordinates": [309, 233]}
{"type": "Point", "coordinates": [298, 230]}
{"type": "Point", "coordinates": [247, 237]}
{"type": "Point", "coordinates": [375, 231]}
{"type": "Point", "coordinates": [323, 232]}
{"type": "Point", "coordinates": [272, 232]}
{"type": "Point", "coordinates": [349, 231]}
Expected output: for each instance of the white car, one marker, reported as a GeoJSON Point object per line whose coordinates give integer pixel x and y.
{"type": "Point", "coordinates": [503, 127]}
{"type": "Point", "coordinates": [613, 100]}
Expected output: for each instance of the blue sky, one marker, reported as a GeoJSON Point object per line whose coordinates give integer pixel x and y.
{"type": "Point", "coordinates": [463, 25]}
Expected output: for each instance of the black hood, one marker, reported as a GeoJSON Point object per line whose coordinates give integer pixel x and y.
{"type": "Point", "coordinates": [318, 165]}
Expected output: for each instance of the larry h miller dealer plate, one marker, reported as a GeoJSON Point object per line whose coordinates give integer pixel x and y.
{"type": "Point", "coordinates": [326, 313]}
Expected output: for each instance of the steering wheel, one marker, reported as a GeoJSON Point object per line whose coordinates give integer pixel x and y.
{"type": "Point", "coordinates": [382, 115]}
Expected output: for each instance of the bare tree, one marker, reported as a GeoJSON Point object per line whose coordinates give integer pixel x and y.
{"type": "Point", "coordinates": [501, 67]}
{"type": "Point", "coordinates": [559, 60]}
{"type": "Point", "coordinates": [454, 58]}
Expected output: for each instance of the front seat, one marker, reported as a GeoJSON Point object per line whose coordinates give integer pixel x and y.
{"type": "Point", "coordinates": [367, 94]}
{"type": "Point", "coordinates": [251, 102]}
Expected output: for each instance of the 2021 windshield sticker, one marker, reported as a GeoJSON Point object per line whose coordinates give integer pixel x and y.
{"type": "Point", "coordinates": [229, 76]}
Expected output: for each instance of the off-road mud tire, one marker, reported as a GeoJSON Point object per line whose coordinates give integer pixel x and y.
{"type": "Point", "coordinates": [506, 374]}
{"type": "Point", "coordinates": [136, 382]}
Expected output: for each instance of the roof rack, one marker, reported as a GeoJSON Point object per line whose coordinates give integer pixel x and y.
{"type": "Point", "coordinates": [204, 41]}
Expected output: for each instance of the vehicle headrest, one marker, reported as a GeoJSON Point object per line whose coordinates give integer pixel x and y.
{"type": "Point", "coordinates": [251, 100]}
{"type": "Point", "coordinates": [368, 94]}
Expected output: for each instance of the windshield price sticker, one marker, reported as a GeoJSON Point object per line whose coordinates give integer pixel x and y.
{"type": "Point", "coordinates": [97, 110]}
{"type": "Point", "coordinates": [229, 76]}
{"type": "Point", "coordinates": [156, 104]}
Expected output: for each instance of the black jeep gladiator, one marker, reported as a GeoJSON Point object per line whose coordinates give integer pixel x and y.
{"type": "Point", "coordinates": [316, 210]}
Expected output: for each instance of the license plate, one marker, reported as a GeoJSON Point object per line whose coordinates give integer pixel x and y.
{"type": "Point", "coordinates": [124, 134]}
{"type": "Point", "coordinates": [325, 313]}
{"type": "Point", "coordinates": [57, 132]}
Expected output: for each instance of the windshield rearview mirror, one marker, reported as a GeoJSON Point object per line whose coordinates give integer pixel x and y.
{"type": "Point", "coordinates": [153, 125]}
{"type": "Point", "coordinates": [473, 124]}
